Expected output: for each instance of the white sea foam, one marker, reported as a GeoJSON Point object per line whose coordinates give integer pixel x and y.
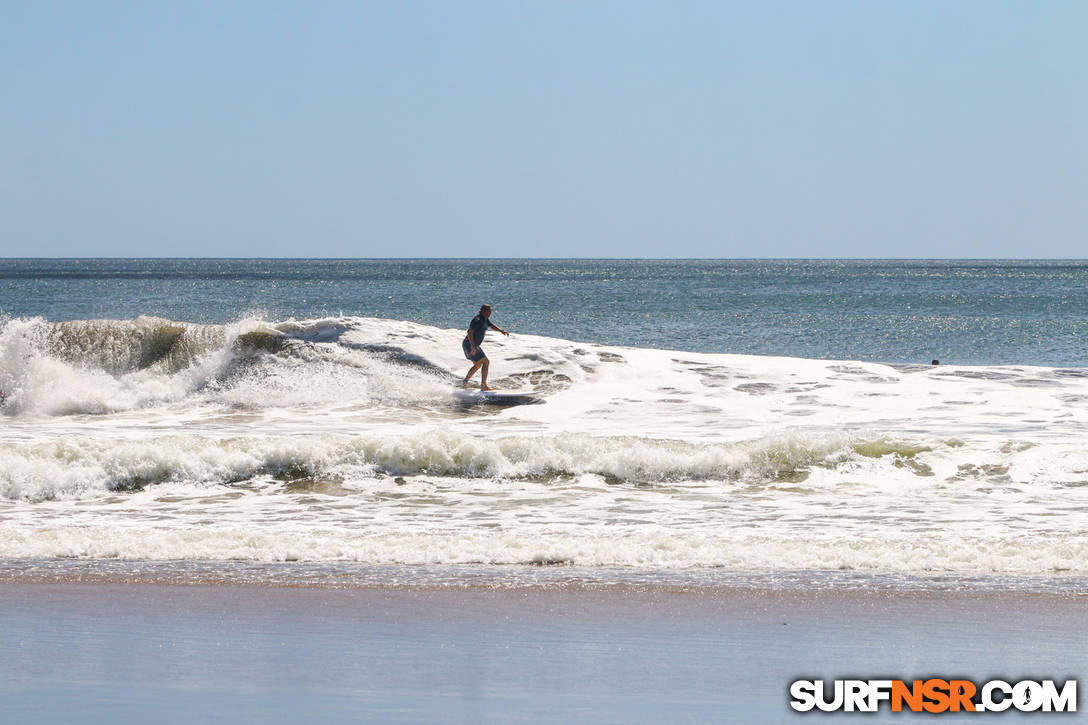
{"type": "Point", "coordinates": [660, 549]}
{"type": "Point", "coordinates": [341, 439]}
{"type": "Point", "coordinates": [377, 367]}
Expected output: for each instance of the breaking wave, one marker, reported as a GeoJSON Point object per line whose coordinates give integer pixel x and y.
{"type": "Point", "coordinates": [342, 439]}
{"type": "Point", "coordinates": [109, 366]}
{"type": "Point", "coordinates": [91, 467]}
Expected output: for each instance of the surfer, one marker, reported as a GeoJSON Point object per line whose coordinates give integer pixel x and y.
{"type": "Point", "coordinates": [471, 345]}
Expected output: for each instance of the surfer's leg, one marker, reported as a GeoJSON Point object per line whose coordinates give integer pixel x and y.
{"type": "Point", "coordinates": [483, 375]}
{"type": "Point", "coordinates": [472, 371]}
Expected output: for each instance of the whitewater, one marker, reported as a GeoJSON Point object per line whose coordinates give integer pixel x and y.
{"type": "Point", "coordinates": [343, 439]}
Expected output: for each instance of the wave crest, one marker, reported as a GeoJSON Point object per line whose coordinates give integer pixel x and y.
{"type": "Point", "coordinates": [107, 366]}
{"type": "Point", "coordinates": [94, 467]}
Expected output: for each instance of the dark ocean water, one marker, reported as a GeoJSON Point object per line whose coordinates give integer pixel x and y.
{"type": "Point", "coordinates": [964, 312]}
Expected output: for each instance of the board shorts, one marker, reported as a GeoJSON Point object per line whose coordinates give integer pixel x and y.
{"type": "Point", "coordinates": [480, 354]}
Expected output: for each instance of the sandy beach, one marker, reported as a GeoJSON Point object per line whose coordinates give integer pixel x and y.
{"type": "Point", "coordinates": [97, 652]}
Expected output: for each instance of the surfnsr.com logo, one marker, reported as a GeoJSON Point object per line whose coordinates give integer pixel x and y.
{"type": "Point", "coordinates": [933, 695]}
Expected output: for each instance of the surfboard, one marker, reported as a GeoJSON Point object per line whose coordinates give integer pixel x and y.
{"type": "Point", "coordinates": [495, 397]}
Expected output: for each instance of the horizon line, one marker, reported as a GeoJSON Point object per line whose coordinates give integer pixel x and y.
{"type": "Point", "coordinates": [563, 259]}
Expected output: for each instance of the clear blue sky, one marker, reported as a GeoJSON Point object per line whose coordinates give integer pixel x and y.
{"type": "Point", "coordinates": [544, 129]}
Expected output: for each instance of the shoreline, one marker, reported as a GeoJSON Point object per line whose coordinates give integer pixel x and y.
{"type": "Point", "coordinates": [516, 578]}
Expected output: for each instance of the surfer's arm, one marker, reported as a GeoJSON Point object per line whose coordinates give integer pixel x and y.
{"type": "Point", "coordinates": [471, 342]}
{"type": "Point", "coordinates": [496, 327]}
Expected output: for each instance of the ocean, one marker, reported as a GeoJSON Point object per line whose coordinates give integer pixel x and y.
{"type": "Point", "coordinates": [701, 422]}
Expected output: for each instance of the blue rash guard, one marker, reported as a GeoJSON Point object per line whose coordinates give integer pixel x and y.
{"type": "Point", "coordinates": [478, 328]}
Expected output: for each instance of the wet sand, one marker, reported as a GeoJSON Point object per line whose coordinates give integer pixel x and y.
{"type": "Point", "coordinates": [98, 652]}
